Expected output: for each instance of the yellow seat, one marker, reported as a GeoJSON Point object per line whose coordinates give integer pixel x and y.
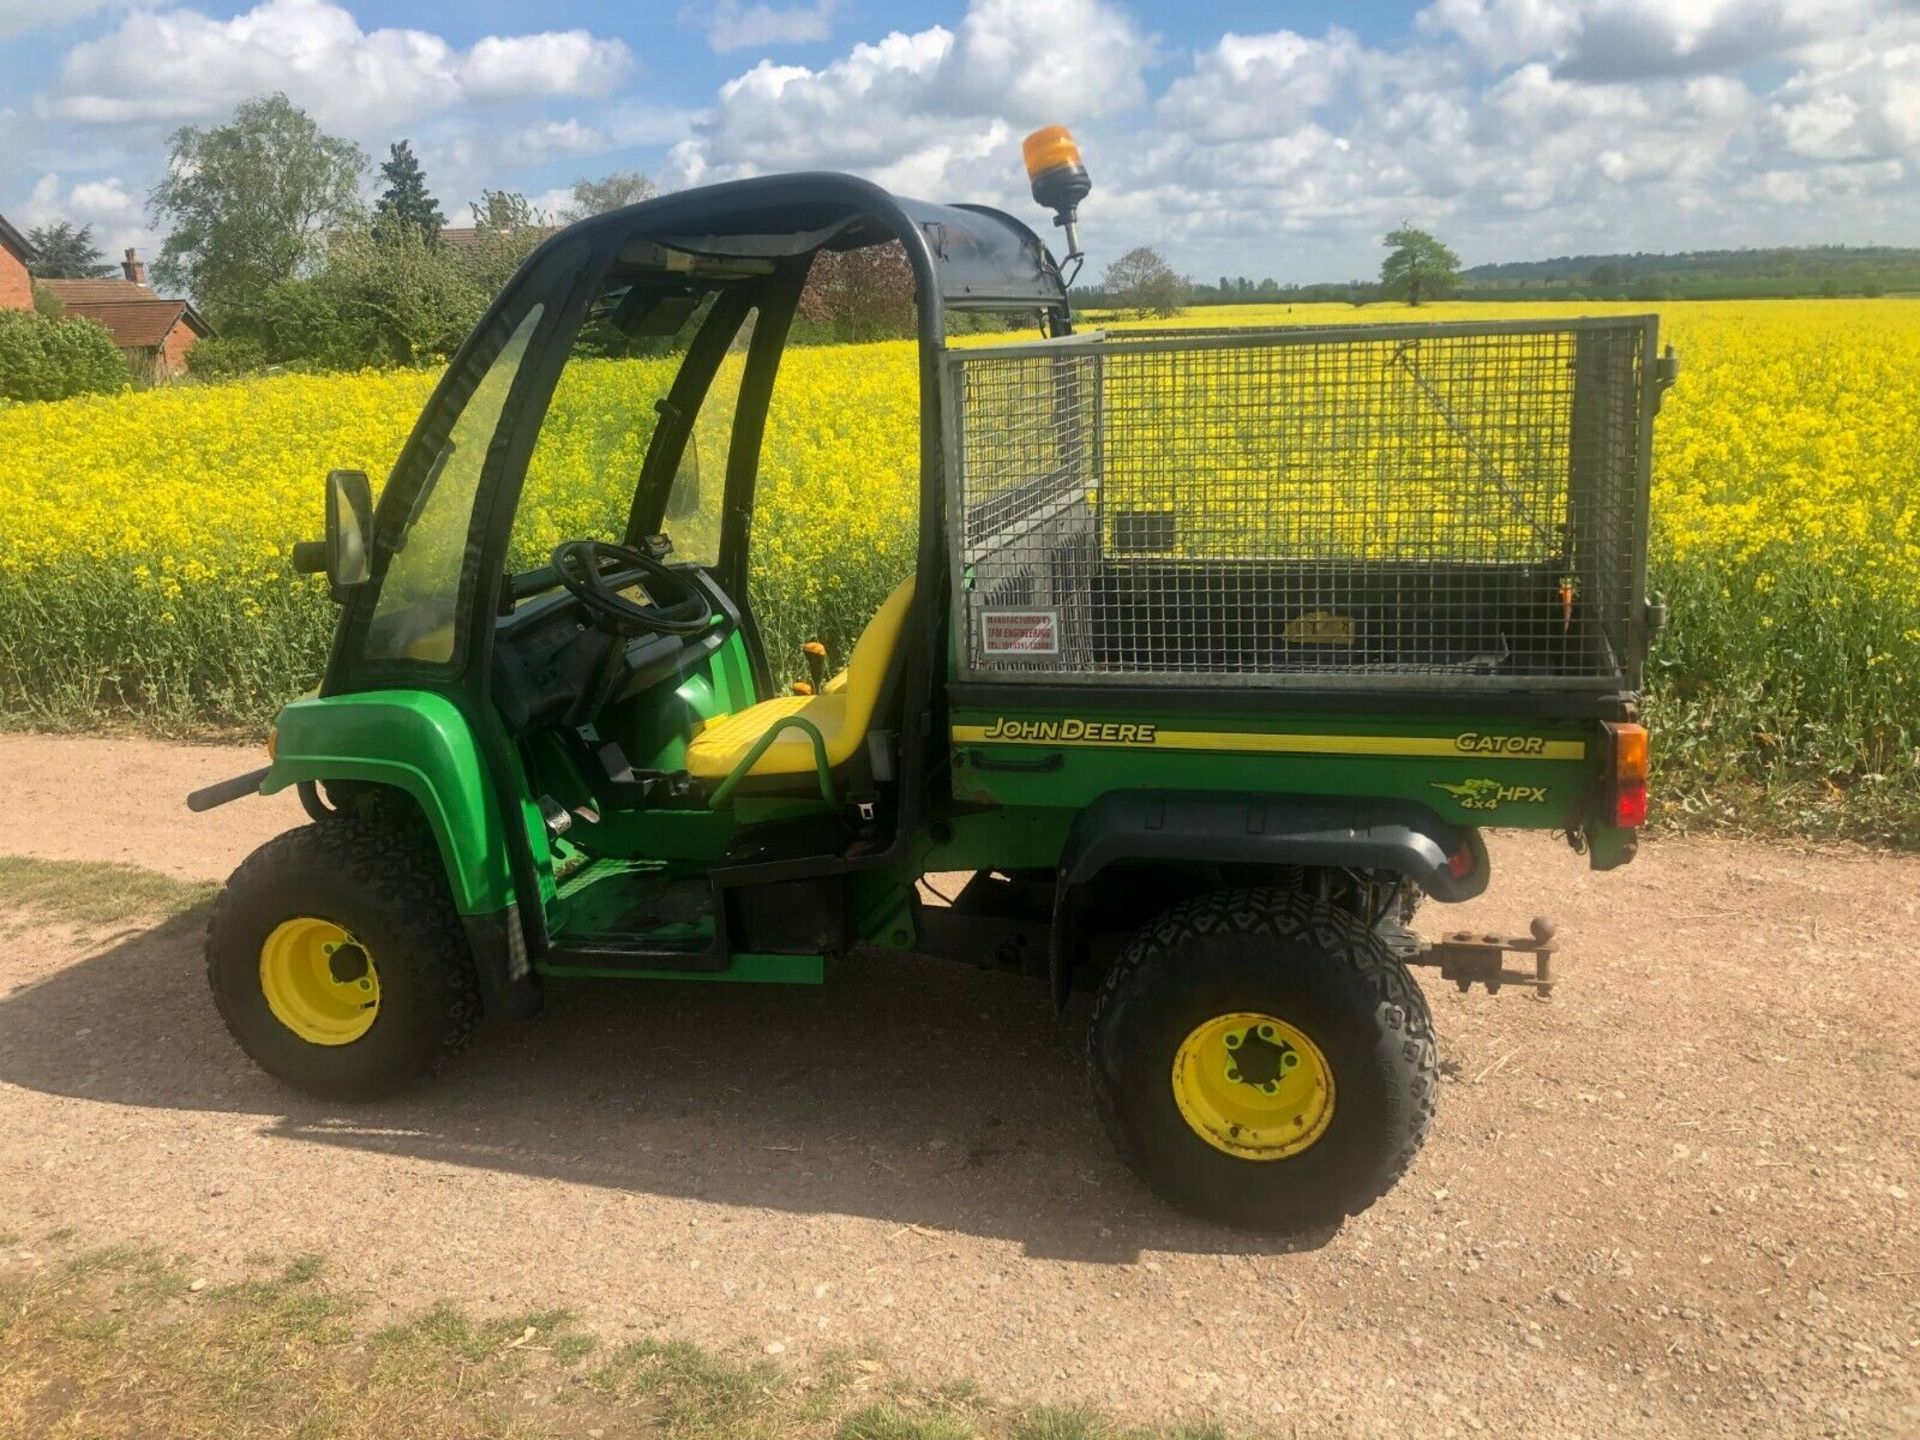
{"type": "Point", "coordinates": [842, 712]}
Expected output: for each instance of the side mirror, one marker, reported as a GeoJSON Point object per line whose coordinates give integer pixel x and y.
{"type": "Point", "coordinates": [346, 555]}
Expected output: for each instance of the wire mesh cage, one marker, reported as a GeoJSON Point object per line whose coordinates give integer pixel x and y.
{"type": "Point", "coordinates": [1436, 506]}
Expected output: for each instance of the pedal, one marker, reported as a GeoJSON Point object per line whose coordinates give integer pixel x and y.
{"type": "Point", "coordinates": [1468, 959]}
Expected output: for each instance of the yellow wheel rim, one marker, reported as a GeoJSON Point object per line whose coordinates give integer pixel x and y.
{"type": "Point", "coordinates": [319, 981]}
{"type": "Point", "coordinates": [1253, 1085]}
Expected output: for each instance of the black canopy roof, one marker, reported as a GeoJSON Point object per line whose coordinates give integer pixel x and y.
{"type": "Point", "coordinates": [970, 255]}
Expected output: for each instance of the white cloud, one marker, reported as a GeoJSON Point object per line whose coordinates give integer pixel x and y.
{"type": "Point", "coordinates": [106, 205]}
{"type": "Point", "coordinates": [1856, 98]}
{"type": "Point", "coordinates": [521, 67]}
{"type": "Point", "coordinates": [1512, 127]}
{"type": "Point", "coordinates": [18, 16]}
{"type": "Point", "coordinates": [1603, 40]}
{"type": "Point", "coordinates": [1503, 32]}
{"type": "Point", "coordinates": [164, 67]}
{"type": "Point", "coordinates": [104, 200]}
{"type": "Point", "coordinates": [1249, 86]}
{"type": "Point", "coordinates": [936, 111]}
{"type": "Point", "coordinates": [1039, 60]}
{"type": "Point", "coordinates": [534, 143]}
{"type": "Point", "coordinates": [729, 25]}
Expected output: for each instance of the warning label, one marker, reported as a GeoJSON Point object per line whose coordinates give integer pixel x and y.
{"type": "Point", "coordinates": [1020, 632]}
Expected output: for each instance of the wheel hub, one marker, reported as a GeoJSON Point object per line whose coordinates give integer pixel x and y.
{"type": "Point", "coordinates": [319, 981]}
{"type": "Point", "coordinates": [1253, 1085]}
{"type": "Point", "coordinates": [1257, 1057]}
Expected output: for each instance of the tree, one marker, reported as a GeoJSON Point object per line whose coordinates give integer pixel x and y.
{"type": "Point", "coordinates": [1418, 267]}
{"type": "Point", "coordinates": [506, 211]}
{"type": "Point", "coordinates": [864, 294]}
{"type": "Point", "coordinates": [397, 299]}
{"type": "Point", "coordinates": [249, 203]}
{"type": "Point", "coordinates": [1609, 279]}
{"type": "Point", "coordinates": [405, 206]}
{"type": "Point", "coordinates": [509, 230]}
{"type": "Point", "coordinates": [1143, 282]}
{"type": "Point", "coordinates": [610, 192]}
{"type": "Point", "coordinates": [66, 253]}
{"type": "Point", "coordinates": [42, 359]}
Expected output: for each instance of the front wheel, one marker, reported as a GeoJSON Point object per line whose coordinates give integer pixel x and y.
{"type": "Point", "coordinates": [1261, 1060]}
{"type": "Point", "coordinates": [337, 961]}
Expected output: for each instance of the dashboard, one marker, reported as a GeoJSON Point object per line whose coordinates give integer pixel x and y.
{"type": "Point", "coordinates": [553, 666]}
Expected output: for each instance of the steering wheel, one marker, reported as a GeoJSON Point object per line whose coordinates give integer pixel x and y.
{"type": "Point", "coordinates": [578, 564]}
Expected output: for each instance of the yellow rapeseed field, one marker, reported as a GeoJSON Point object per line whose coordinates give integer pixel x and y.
{"type": "Point", "coordinates": [144, 538]}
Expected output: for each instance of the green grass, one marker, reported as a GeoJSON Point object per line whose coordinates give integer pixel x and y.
{"type": "Point", "coordinates": [116, 1342]}
{"type": "Point", "coordinates": [887, 1421]}
{"type": "Point", "coordinates": [86, 892]}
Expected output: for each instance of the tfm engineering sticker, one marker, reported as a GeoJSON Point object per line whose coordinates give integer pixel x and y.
{"type": "Point", "coordinates": [1078, 730]}
{"type": "Point", "coordinates": [1019, 632]}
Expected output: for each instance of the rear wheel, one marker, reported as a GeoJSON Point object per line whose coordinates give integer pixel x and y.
{"type": "Point", "coordinates": [337, 961]}
{"type": "Point", "coordinates": [1261, 1060]}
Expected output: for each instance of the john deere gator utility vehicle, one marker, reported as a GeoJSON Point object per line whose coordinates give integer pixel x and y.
{"type": "Point", "coordinates": [1217, 650]}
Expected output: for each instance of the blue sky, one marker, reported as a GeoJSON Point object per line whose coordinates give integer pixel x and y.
{"type": "Point", "coordinates": [1238, 138]}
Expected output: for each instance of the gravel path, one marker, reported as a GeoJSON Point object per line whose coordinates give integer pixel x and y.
{"type": "Point", "coordinates": [1678, 1199]}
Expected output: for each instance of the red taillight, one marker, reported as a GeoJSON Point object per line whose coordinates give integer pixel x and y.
{"type": "Point", "coordinates": [1628, 744]}
{"type": "Point", "coordinates": [1460, 863]}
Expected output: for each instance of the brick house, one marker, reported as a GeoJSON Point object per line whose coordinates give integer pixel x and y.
{"type": "Point", "coordinates": [153, 332]}
{"type": "Point", "coordinates": [16, 286]}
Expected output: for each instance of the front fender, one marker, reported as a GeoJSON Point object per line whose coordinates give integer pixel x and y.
{"type": "Point", "coordinates": [416, 742]}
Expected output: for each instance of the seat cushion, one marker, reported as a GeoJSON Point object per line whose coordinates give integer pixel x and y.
{"type": "Point", "coordinates": [842, 713]}
{"type": "Point", "coordinates": [716, 750]}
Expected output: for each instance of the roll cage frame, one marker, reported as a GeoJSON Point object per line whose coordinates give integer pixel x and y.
{"type": "Point", "coordinates": [752, 241]}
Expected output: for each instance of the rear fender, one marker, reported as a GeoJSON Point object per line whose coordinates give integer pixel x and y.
{"type": "Point", "coordinates": [1448, 861]}
{"type": "Point", "coordinates": [416, 742]}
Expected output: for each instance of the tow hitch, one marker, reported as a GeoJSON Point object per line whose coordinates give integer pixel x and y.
{"type": "Point", "coordinates": [1468, 959]}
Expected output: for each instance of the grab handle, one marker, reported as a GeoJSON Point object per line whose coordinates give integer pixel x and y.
{"type": "Point", "coordinates": [1039, 765]}
{"type": "Point", "coordinates": [752, 758]}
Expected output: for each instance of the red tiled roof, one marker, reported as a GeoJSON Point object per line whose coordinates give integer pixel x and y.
{"type": "Point", "coordinates": [137, 324]}
{"type": "Point", "coordinates": [16, 242]}
{"type": "Point", "coordinates": [78, 292]}
{"type": "Point", "coordinates": [466, 237]}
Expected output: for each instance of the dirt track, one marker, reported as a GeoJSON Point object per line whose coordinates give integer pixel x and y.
{"type": "Point", "coordinates": [1681, 1198]}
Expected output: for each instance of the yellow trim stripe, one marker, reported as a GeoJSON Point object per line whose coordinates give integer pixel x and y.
{"type": "Point", "coordinates": [1259, 743]}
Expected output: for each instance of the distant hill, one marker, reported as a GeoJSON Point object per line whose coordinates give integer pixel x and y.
{"type": "Point", "coordinates": [1705, 274]}
{"type": "Point", "coordinates": [1812, 270]}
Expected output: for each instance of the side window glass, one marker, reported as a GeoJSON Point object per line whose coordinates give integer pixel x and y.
{"type": "Point", "coordinates": [693, 515]}
{"type": "Point", "coordinates": [419, 598]}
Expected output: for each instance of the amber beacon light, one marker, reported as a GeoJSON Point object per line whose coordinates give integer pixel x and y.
{"type": "Point", "coordinates": [1059, 179]}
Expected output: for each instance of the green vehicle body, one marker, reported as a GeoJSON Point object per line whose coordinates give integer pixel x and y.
{"type": "Point", "coordinates": [1023, 768]}
{"type": "Point", "coordinates": [554, 729]}
{"type": "Point", "coordinates": [419, 742]}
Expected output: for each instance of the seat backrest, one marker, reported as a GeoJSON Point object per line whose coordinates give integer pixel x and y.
{"type": "Point", "coordinates": [872, 657]}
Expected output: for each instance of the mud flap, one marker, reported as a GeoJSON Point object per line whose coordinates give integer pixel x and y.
{"type": "Point", "coordinates": [508, 985]}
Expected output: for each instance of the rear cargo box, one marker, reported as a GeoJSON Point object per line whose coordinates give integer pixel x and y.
{"type": "Point", "coordinates": [1439, 507]}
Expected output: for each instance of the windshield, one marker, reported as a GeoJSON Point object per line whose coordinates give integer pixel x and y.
{"type": "Point", "coordinates": [585, 466]}
{"type": "Point", "coordinates": [413, 618]}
